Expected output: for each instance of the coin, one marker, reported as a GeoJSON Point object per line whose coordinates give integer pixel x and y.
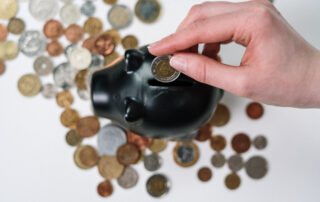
{"type": "Point", "coordinates": [8, 50]}
{"type": "Point", "coordinates": [204, 133]}
{"type": "Point", "coordinates": [43, 10]}
{"type": "Point", "coordinates": [87, 126]}
{"type": "Point", "coordinates": [81, 79]}
{"type": "Point", "coordinates": [260, 142]}
{"type": "Point", "coordinates": [129, 178]}
{"type": "Point", "coordinates": [110, 2]}
{"type": "Point", "coordinates": [68, 50]}
{"type": "Point", "coordinates": [49, 90]}
{"type": "Point", "coordinates": [235, 163]}
{"type": "Point", "coordinates": [43, 65]}
{"type": "Point", "coordinates": [53, 29]}
{"type": "Point", "coordinates": [120, 16]}
{"type": "Point", "coordinates": [64, 75]}
{"type": "Point", "coordinates": [72, 138]}
{"type": "Point", "coordinates": [218, 160]}
{"type": "Point", "coordinates": [158, 145]}
{"type": "Point", "coordinates": [140, 141]}
{"type": "Point", "coordinates": [186, 154]}
{"type": "Point", "coordinates": [218, 142]}
{"type": "Point", "coordinates": [115, 35]}
{"type": "Point", "coordinates": [147, 11]}
{"type": "Point", "coordinates": [105, 188]}
{"type": "Point", "coordinates": [162, 70]}
{"type": "Point", "coordinates": [232, 181]}
{"type": "Point", "coordinates": [104, 44]}
{"type": "Point", "coordinates": [204, 174]}
{"type": "Point", "coordinates": [152, 162]}
{"type": "Point", "coordinates": [89, 44]}
{"type": "Point", "coordinates": [221, 116]}
{"type": "Point", "coordinates": [29, 85]}
{"type": "Point", "coordinates": [64, 99]}
{"type": "Point", "coordinates": [109, 167]}
{"type": "Point", "coordinates": [110, 137]}
{"type": "Point", "coordinates": [254, 110]}
{"type": "Point", "coordinates": [88, 8]}
{"type": "Point", "coordinates": [158, 185]}
{"type": "Point", "coordinates": [3, 32]}
{"type": "Point", "coordinates": [54, 48]}
{"type": "Point", "coordinates": [2, 66]}
{"type": "Point", "coordinates": [70, 13]}
{"type": "Point", "coordinates": [80, 58]}
{"type": "Point", "coordinates": [8, 9]}
{"type": "Point", "coordinates": [74, 33]}
{"type": "Point", "coordinates": [69, 118]}
{"type": "Point", "coordinates": [93, 26]}
{"type": "Point", "coordinates": [128, 154]}
{"type": "Point", "coordinates": [256, 167]}
{"type": "Point", "coordinates": [111, 58]}
{"type": "Point", "coordinates": [129, 42]}
{"type": "Point", "coordinates": [85, 157]}
{"type": "Point", "coordinates": [96, 62]}
{"type": "Point", "coordinates": [16, 26]}
{"type": "Point", "coordinates": [32, 43]}
{"type": "Point", "coordinates": [83, 94]}
{"type": "Point", "coordinates": [241, 143]}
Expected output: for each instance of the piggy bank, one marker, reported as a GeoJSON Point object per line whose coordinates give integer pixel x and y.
{"type": "Point", "coordinates": [127, 93]}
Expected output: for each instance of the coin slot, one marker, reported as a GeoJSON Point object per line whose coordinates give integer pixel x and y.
{"type": "Point", "coordinates": [153, 82]}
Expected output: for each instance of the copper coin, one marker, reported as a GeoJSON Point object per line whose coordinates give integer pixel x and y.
{"type": "Point", "coordinates": [54, 48]}
{"type": "Point", "coordinates": [115, 35]}
{"type": "Point", "coordinates": [221, 116]}
{"type": "Point", "coordinates": [64, 99]}
{"type": "Point", "coordinates": [105, 44]}
{"type": "Point", "coordinates": [105, 188]}
{"type": "Point", "coordinates": [128, 154]}
{"type": "Point", "coordinates": [86, 157]}
{"type": "Point", "coordinates": [53, 29]}
{"type": "Point", "coordinates": [16, 26]}
{"type": "Point", "coordinates": [93, 26]}
{"type": "Point", "coordinates": [204, 133]}
{"type": "Point", "coordinates": [204, 174]}
{"type": "Point", "coordinates": [218, 142]}
{"type": "Point", "coordinates": [138, 140]}
{"type": "Point", "coordinates": [87, 126]}
{"type": "Point", "coordinates": [2, 66]}
{"type": "Point", "coordinates": [69, 118]}
{"type": "Point", "coordinates": [255, 110]}
{"type": "Point", "coordinates": [74, 33]}
{"type": "Point", "coordinates": [81, 79]}
{"type": "Point", "coordinates": [89, 44]}
{"type": "Point", "coordinates": [232, 181]}
{"type": "Point", "coordinates": [3, 32]}
{"type": "Point", "coordinates": [241, 143]}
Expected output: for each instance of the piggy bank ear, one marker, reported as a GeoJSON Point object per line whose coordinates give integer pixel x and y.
{"type": "Point", "coordinates": [134, 59]}
{"type": "Point", "coordinates": [134, 110]}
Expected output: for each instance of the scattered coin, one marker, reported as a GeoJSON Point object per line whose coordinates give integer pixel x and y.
{"type": "Point", "coordinates": [93, 26]}
{"type": "Point", "coordinates": [147, 11]}
{"type": "Point", "coordinates": [162, 71]}
{"type": "Point", "coordinates": [129, 178]}
{"type": "Point", "coordinates": [32, 43]}
{"type": "Point", "coordinates": [129, 42]}
{"type": "Point", "coordinates": [16, 26]}
{"type": "Point", "coordinates": [186, 154]}
{"type": "Point", "coordinates": [158, 145]}
{"type": "Point", "coordinates": [8, 50]}
{"type": "Point", "coordinates": [87, 126]}
{"type": "Point", "coordinates": [88, 8]}
{"type": "Point", "coordinates": [218, 142]}
{"type": "Point", "coordinates": [83, 94]}
{"type": "Point", "coordinates": [80, 58]}
{"type": "Point", "coordinates": [70, 13]}
{"type": "Point", "coordinates": [72, 138]}
{"type": "Point", "coordinates": [43, 65]}
{"type": "Point", "coordinates": [64, 99]}
{"type": "Point", "coordinates": [111, 58]}
{"type": "Point", "coordinates": [2, 66]}
{"type": "Point", "coordinates": [29, 85]}
{"type": "Point", "coordinates": [218, 160]}
{"type": "Point", "coordinates": [128, 154]}
{"type": "Point", "coordinates": [140, 141]}
{"type": "Point", "coordinates": [81, 79]}
{"type": "Point", "coordinates": [260, 142]}
{"type": "Point", "coordinates": [232, 181]}
{"type": "Point", "coordinates": [3, 32]}
{"type": "Point", "coordinates": [104, 44]}
{"type": "Point", "coordinates": [96, 62]}
{"type": "Point", "coordinates": [221, 116]}
{"type": "Point", "coordinates": [235, 163]}
{"type": "Point", "coordinates": [89, 44]}
{"type": "Point", "coordinates": [241, 143]}
{"type": "Point", "coordinates": [204, 133]}
{"type": "Point", "coordinates": [8, 9]}
{"type": "Point", "coordinates": [68, 50]}
{"type": "Point", "coordinates": [43, 10]}
{"type": "Point", "coordinates": [74, 33]}
{"type": "Point", "coordinates": [254, 110]}
{"type": "Point", "coordinates": [158, 185]}
{"type": "Point", "coordinates": [54, 48]}
{"type": "Point", "coordinates": [110, 2]}
{"type": "Point", "coordinates": [105, 188]}
{"type": "Point", "coordinates": [85, 157]}
{"type": "Point", "coordinates": [49, 90]}
{"type": "Point", "coordinates": [64, 75]}
{"type": "Point", "coordinates": [69, 118]}
{"type": "Point", "coordinates": [115, 35]}
{"type": "Point", "coordinates": [256, 167]}
{"type": "Point", "coordinates": [152, 162]}
{"type": "Point", "coordinates": [204, 174]}
{"type": "Point", "coordinates": [120, 16]}
{"type": "Point", "coordinates": [109, 167]}
{"type": "Point", "coordinates": [53, 29]}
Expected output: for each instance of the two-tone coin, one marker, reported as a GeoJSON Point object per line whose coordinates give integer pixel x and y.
{"type": "Point", "coordinates": [162, 70]}
{"type": "Point", "coordinates": [120, 16]}
{"type": "Point", "coordinates": [152, 162]}
{"type": "Point", "coordinates": [129, 178]}
{"type": "Point", "coordinates": [186, 154]}
{"type": "Point", "coordinates": [158, 185]}
{"type": "Point", "coordinates": [147, 11]}
{"type": "Point", "coordinates": [32, 43]}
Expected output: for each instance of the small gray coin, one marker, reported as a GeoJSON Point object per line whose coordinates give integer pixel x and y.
{"type": "Point", "coordinates": [218, 160]}
{"type": "Point", "coordinates": [49, 90]}
{"type": "Point", "coordinates": [256, 167]}
{"type": "Point", "coordinates": [152, 162]}
{"type": "Point", "coordinates": [70, 13]}
{"type": "Point", "coordinates": [120, 16]}
{"type": "Point", "coordinates": [235, 163]}
{"type": "Point", "coordinates": [84, 94]}
{"type": "Point", "coordinates": [43, 10]}
{"type": "Point", "coordinates": [32, 43]}
{"type": "Point", "coordinates": [148, 10]}
{"type": "Point", "coordinates": [88, 8]}
{"type": "Point", "coordinates": [185, 154]}
{"type": "Point", "coordinates": [64, 75]}
{"type": "Point", "coordinates": [43, 65]}
{"type": "Point", "coordinates": [260, 142]}
{"type": "Point", "coordinates": [158, 185]}
{"type": "Point", "coordinates": [129, 178]}
{"type": "Point", "coordinates": [160, 65]}
{"type": "Point", "coordinates": [110, 137]}
{"type": "Point", "coordinates": [97, 62]}
{"type": "Point", "coordinates": [189, 137]}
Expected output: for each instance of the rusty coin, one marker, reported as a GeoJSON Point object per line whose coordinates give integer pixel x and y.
{"type": "Point", "coordinates": [218, 142]}
{"type": "Point", "coordinates": [104, 44]}
{"type": "Point", "coordinates": [93, 26]}
{"type": "Point", "coordinates": [64, 99]}
{"type": "Point", "coordinates": [204, 174]}
{"type": "Point", "coordinates": [85, 157]}
{"type": "Point", "coordinates": [54, 48]}
{"type": "Point", "coordinates": [3, 32]}
{"type": "Point", "coordinates": [232, 181]}
{"type": "Point", "coordinates": [74, 33]}
{"type": "Point", "coordinates": [241, 143]}
{"type": "Point", "coordinates": [128, 154]}
{"type": "Point", "coordinates": [138, 140]}
{"type": "Point", "coordinates": [2, 66]}
{"type": "Point", "coordinates": [221, 116]}
{"type": "Point", "coordinates": [16, 26]}
{"type": "Point", "coordinates": [204, 133]}
{"type": "Point", "coordinates": [105, 188]}
{"type": "Point", "coordinates": [69, 118]}
{"type": "Point", "coordinates": [87, 126]}
{"type": "Point", "coordinates": [254, 110]}
{"type": "Point", "coordinates": [89, 44]}
{"type": "Point", "coordinates": [53, 29]}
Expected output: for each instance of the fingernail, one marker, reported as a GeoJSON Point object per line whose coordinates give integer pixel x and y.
{"type": "Point", "coordinates": [178, 63]}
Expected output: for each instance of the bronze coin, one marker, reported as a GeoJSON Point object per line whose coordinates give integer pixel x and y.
{"type": "Point", "coordinates": [85, 157]}
{"type": "Point", "coordinates": [74, 33]}
{"type": "Point", "coordinates": [128, 154]}
{"type": "Point", "coordinates": [115, 35]}
{"type": "Point", "coordinates": [3, 32]}
{"type": "Point", "coordinates": [218, 142]}
{"type": "Point", "coordinates": [105, 188]}
{"type": "Point", "coordinates": [72, 138]}
{"type": "Point", "coordinates": [64, 99]}
{"type": "Point", "coordinates": [2, 66]}
{"type": "Point", "coordinates": [232, 181]}
{"type": "Point", "coordinates": [204, 174]}
{"type": "Point", "coordinates": [129, 42]}
{"type": "Point", "coordinates": [110, 2]}
{"type": "Point", "coordinates": [109, 167]}
{"type": "Point", "coordinates": [105, 44]}
{"type": "Point", "coordinates": [241, 143]}
{"type": "Point", "coordinates": [221, 116]}
{"type": "Point", "coordinates": [69, 118]}
{"type": "Point", "coordinates": [16, 26]}
{"type": "Point", "coordinates": [89, 44]}
{"type": "Point", "coordinates": [54, 48]}
{"type": "Point", "coordinates": [81, 79]}
{"type": "Point", "coordinates": [158, 185]}
{"type": "Point", "coordinates": [254, 110]}
{"type": "Point", "coordinates": [53, 29]}
{"type": "Point", "coordinates": [158, 145]}
{"type": "Point", "coordinates": [111, 58]}
{"type": "Point", "coordinates": [93, 26]}
{"type": "Point", "coordinates": [87, 126]}
{"type": "Point", "coordinates": [204, 133]}
{"type": "Point", "coordinates": [138, 140]}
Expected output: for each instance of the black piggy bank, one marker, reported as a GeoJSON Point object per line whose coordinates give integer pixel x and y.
{"type": "Point", "coordinates": [127, 93]}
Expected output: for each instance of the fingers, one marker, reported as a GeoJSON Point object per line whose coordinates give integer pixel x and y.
{"type": "Point", "coordinates": [211, 50]}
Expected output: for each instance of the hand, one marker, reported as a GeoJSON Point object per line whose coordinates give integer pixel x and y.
{"type": "Point", "coordinates": [279, 67]}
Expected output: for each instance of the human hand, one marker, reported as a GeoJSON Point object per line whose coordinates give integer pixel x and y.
{"type": "Point", "coordinates": [279, 67]}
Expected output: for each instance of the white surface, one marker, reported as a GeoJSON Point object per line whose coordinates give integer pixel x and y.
{"type": "Point", "coordinates": [37, 165]}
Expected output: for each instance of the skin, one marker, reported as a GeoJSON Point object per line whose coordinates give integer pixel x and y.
{"type": "Point", "coordinates": [278, 67]}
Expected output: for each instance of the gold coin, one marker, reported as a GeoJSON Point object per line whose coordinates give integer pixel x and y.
{"type": "Point", "coordinates": [69, 118]}
{"type": "Point", "coordinates": [72, 138]}
{"type": "Point", "coordinates": [81, 79]}
{"type": "Point", "coordinates": [115, 35]}
{"type": "Point", "coordinates": [129, 42]}
{"type": "Point", "coordinates": [64, 99]}
{"type": "Point", "coordinates": [232, 181]}
{"type": "Point", "coordinates": [110, 58]}
{"type": "Point", "coordinates": [147, 11]}
{"type": "Point", "coordinates": [8, 9]}
{"type": "Point", "coordinates": [218, 142]}
{"type": "Point", "coordinates": [29, 85]}
{"type": "Point", "coordinates": [8, 50]}
{"type": "Point", "coordinates": [16, 26]}
{"type": "Point", "coordinates": [158, 145]}
{"type": "Point", "coordinates": [93, 26]}
{"type": "Point", "coordinates": [86, 157]}
{"type": "Point", "coordinates": [221, 116]}
{"type": "Point", "coordinates": [110, 2]}
{"type": "Point", "coordinates": [186, 154]}
{"type": "Point", "coordinates": [109, 167]}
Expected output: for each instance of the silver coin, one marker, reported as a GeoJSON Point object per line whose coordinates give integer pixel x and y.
{"type": "Point", "coordinates": [64, 75]}
{"type": "Point", "coordinates": [120, 16]}
{"type": "Point", "coordinates": [43, 10]}
{"type": "Point", "coordinates": [260, 142]}
{"type": "Point", "coordinates": [218, 160]}
{"type": "Point", "coordinates": [67, 1]}
{"type": "Point", "coordinates": [147, 10]}
{"type": "Point", "coordinates": [32, 43]}
{"type": "Point", "coordinates": [70, 13]}
{"type": "Point", "coordinates": [43, 65]}
{"type": "Point", "coordinates": [68, 50]}
{"type": "Point", "coordinates": [80, 58]}
{"type": "Point", "coordinates": [152, 162]}
{"type": "Point", "coordinates": [84, 94]}
{"type": "Point", "coordinates": [162, 184]}
{"type": "Point", "coordinates": [185, 154]}
{"type": "Point", "coordinates": [96, 62]}
{"type": "Point", "coordinates": [88, 8]}
{"type": "Point", "coordinates": [235, 162]}
{"type": "Point", "coordinates": [256, 167]}
{"type": "Point", "coordinates": [110, 137]}
{"type": "Point", "coordinates": [49, 90]}
{"type": "Point", "coordinates": [162, 71]}
{"type": "Point", "coordinates": [129, 178]}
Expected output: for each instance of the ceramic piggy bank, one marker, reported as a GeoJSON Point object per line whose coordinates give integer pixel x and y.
{"type": "Point", "coordinates": [127, 93]}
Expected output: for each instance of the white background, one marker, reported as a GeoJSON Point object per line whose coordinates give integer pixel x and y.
{"type": "Point", "coordinates": [36, 164]}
